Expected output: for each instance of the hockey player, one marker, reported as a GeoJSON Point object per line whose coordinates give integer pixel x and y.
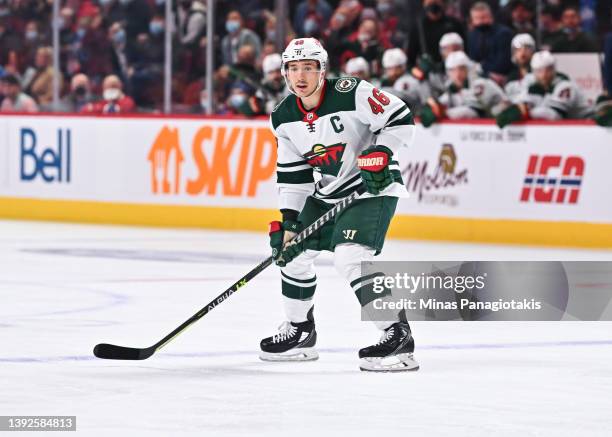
{"type": "Point", "coordinates": [465, 97]}
{"type": "Point", "coordinates": [344, 133]}
{"type": "Point", "coordinates": [449, 43]}
{"type": "Point", "coordinates": [520, 77]}
{"type": "Point", "coordinates": [272, 89]}
{"type": "Point", "coordinates": [399, 82]}
{"type": "Point", "coordinates": [552, 96]}
{"type": "Point", "coordinates": [358, 67]}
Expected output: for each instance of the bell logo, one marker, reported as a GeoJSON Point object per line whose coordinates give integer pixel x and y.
{"type": "Point", "coordinates": [166, 150]}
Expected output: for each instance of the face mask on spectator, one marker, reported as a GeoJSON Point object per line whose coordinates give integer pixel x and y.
{"type": "Point", "coordinates": [31, 35]}
{"type": "Point", "coordinates": [119, 37]}
{"type": "Point", "coordinates": [125, 2]}
{"type": "Point", "coordinates": [160, 2]}
{"type": "Point", "coordinates": [483, 27]}
{"type": "Point", "coordinates": [232, 25]}
{"type": "Point", "coordinates": [271, 35]}
{"type": "Point", "coordinates": [105, 2]}
{"type": "Point", "coordinates": [80, 91]}
{"type": "Point", "coordinates": [80, 33]}
{"type": "Point", "coordinates": [310, 26]}
{"type": "Point", "coordinates": [434, 9]}
{"type": "Point", "coordinates": [383, 8]}
{"type": "Point", "coordinates": [236, 100]}
{"type": "Point", "coordinates": [569, 30]}
{"type": "Point", "coordinates": [111, 94]}
{"type": "Point", "coordinates": [363, 37]}
{"type": "Point", "coordinates": [156, 27]}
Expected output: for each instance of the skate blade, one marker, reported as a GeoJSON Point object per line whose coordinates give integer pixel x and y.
{"type": "Point", "coordinates": [395, 363]}
{"type": "Point", "coordinates": [302, 354]}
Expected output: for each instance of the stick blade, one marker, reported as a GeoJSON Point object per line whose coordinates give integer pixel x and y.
{"type": "Point", "coordinates": [113, 352]}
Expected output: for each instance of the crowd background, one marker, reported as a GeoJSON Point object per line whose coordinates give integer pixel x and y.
{"type": "Point", "coordinates": [112, 51]}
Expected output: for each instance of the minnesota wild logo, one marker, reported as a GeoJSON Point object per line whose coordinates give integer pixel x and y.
{"type": "Point", "coordinates": [326, 159]}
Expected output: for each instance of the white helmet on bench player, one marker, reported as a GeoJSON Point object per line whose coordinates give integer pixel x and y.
{"type": "Point", "coordinates": [302, 49]}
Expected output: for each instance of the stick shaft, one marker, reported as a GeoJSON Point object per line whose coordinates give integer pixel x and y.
{"type": "Point", "coordinates": [309, 230]}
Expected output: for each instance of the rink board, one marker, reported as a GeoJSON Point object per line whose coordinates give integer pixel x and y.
{"type": "Point", "coordinates": [540, 183]}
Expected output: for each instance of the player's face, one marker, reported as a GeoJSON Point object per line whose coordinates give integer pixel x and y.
{"type": "Point", "coordinates": [458, 75]}
{"type": "Point", "coordinates": [545, 75]}
{"type": "Point", "coordinates": [522, 55]}
{"type": "Point", "coordinates": [303, 77]}
{"type": "Point", "coordinates": [393, 73]}
{"type": "Point", "coordinates": [447, 50]}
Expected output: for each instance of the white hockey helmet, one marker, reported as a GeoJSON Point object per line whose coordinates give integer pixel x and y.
{"type": "Point", "coordinates": [457, 59]}
{"type": "Point", "coordinates": [355, 65]}
{"type": "Point", "coordinates": [271, 63]}
{"type": "Point", "coordinates": [523, 40]}
{"type": "Point", "coordinates": [542, 59]}
{"type": "Point", "coordinates": [450, 39]}
{"type": "Point", "coordinates": [302, 49]}
{"type": "Point", "coordinates": [394, 58]}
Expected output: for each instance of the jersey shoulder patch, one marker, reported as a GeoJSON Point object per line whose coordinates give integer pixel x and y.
{"type": "Point", "coordinates": [345, 84]}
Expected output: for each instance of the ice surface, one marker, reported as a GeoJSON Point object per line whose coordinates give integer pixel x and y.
{"type": "Point", "coordinates": [64, 288]}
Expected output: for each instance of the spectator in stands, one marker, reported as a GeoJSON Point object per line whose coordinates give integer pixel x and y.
{"type": "Point", "coordinates": [9, 39]}
{"type": "Point", "coordinates": [465, 97]}
{"type": "Point", "coordinates": [489, 43]}
{"type": "Point", "coordinates": [94, 52]}
{"type": "Point", "coordinates": [33, 39]}
{"type": "Point", "coordinates": [550, 24]}
{"type": "Point", "coordinates": [238, 99]}
{"type": "Point", "coordinates": [114, 101]}
{"type": "Point", "coordinates": [244, 69]}
{"type": "Point", "coordinates": [365, 43]}
{"type": "Point", "coordinates": [552, 96]}
{"type": "Point", "coordinates": [340, 27]}
{"type": "Point", "coordinates": [574, 39]}
{"type": "Point", "coordinates": [272, 89]}
{"type": "Point", "coordinates": [192, 22]}
{"type": "Point", "coordinates": [118, 51]}
{"type": "Point", "coordinates": [40, 87]}
{"type": "Point", "coordinates": [237, 37]}
{"type": "Point", "coordinates": [79, 96]}
{"type": "Point", "coordinates": [137, 15]}
{"type": "Point", "coordinates": [522, 16]}
{"type": "Point", "coordinates": [311, 14]}
{"type": "Point", "coordinates": [146, 65]}
{"type": "Point", "coordinates": [425, 35]}
{"type": "Point", "coordinates": [389, 23]}
{"type": "Point", "coordinates": [520, 77]}
{"type": "Point", "coordinates": [14, 99]}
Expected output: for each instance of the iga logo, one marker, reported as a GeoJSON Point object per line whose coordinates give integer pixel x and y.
{"type": "Point", "coordinates": [550, 178]}
{"type": "Point", "coordinates": [52, 164]}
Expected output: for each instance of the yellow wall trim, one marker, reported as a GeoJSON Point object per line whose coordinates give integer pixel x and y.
{"type": "Point", "coordinates": [531, 232]}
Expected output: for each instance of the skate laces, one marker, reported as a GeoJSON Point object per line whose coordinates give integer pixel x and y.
{"type": "Point", "coordinates": [386, 336]}
{"type": "Point", "coordinates": [285, 331]}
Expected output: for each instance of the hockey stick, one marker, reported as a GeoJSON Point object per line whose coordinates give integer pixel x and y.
{"type": "Point", "coordinates": [113, 352]}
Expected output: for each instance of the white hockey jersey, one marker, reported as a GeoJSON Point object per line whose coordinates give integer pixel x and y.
{"type": "Point", "coordinates": [326, 141]}
{"type": "Point", "coordinates": [563, 99]}
{"type": "Point", "coordinates": [411, 90]}
{"type": "Point", "coordinates": [481, 98]}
